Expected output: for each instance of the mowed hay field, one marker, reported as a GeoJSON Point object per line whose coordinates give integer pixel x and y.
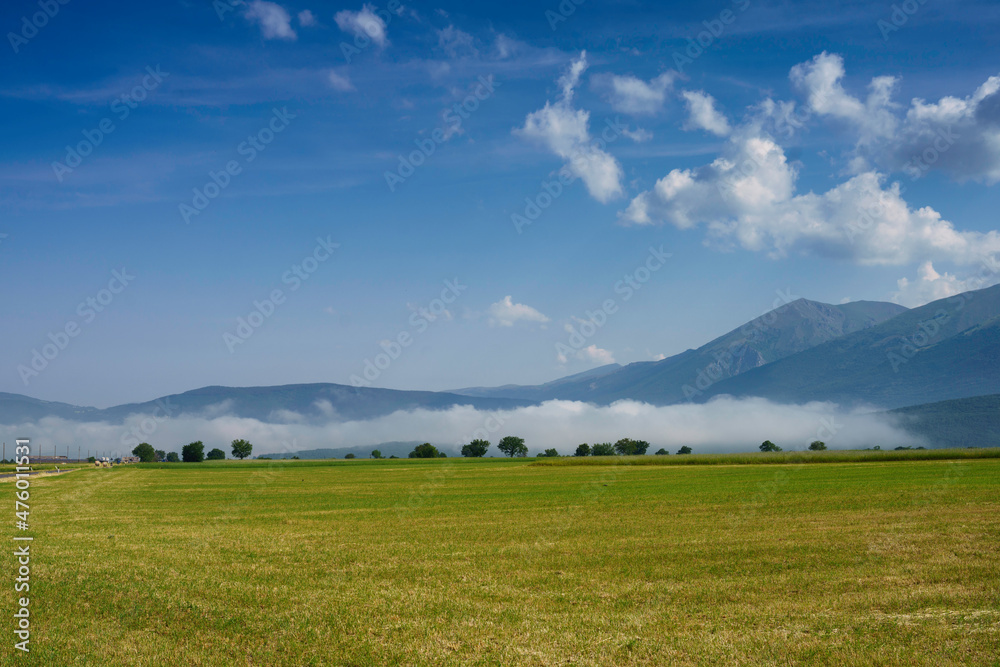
{"type": "Point", "coordinates": [490, 562]}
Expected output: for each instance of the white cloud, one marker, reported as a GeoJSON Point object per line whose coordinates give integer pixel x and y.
{"type": "Point", "coordinates": [306, 18]}
{"type": "Point", "coordinates": [931, 285]}
{"type": "Point", "coordinates": [456, 42]}
{"type": "Point", "coordinates": [819, 80]}
{"type": "Point", "coordinates": [564, 130]}
{"type": "Point", "coordinates": [274, 21]}
{"type": "Point", "coordinates": [747, 197]}
{"type": "Point", "coordinates": [339, 82]}
{"type": "Point", "coordinates": [720, 425]}
{"type": "Point", "coordinates": [364, 23]}
{"type": "Point", "coordinates": [505, 313]}
{"type": "Point", "coordinates": [702, 114]}
{"type": "Point", "coordinates": [628, 94]}
{"type": "Point", "coordinates": [959, 136]}
{"type": "Point", "coordinates": [597, 354]}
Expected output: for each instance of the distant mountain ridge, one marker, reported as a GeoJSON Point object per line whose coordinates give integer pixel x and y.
{"type": "Point", "coordinates": [787, 330]}
{"type": "Point", "coordinates": [315, 403]}
{"type": "Point", "coordinates": [943, 350]}
{"type": "Point", "coordinates": [860, 353]}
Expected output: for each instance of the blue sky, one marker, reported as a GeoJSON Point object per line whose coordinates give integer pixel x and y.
{"type": "Point", "coordinates": [777, 161]}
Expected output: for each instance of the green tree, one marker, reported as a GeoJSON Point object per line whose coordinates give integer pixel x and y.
{"type": "Point", "coordinates": [768, 446]}
{"type": "Point", "coordinates": [817, 445]}
{"type": "Point", "coordinates": [684, 450]}
{"type": "Point", "coordinates": [629, 447]}
{"type": "Point", "coordinates": [349, 456]}
{"type": "Point", "coordinates": [582, 450]}
{"type": "Point", "coordinates": [424, 451]}
{"type": "Point", "coordinates": [194, 452]}
{"type": "Point", "coordinates": [476, 448]}
{"type": "Point", "coordinates": [550, 453]}
{"type": "Point", "coordinates": [90, 459]}
{"type": "Point", "coordinates": [602, 449]}
{"type": "Point", "coordinates": [145, 452]}
{"type": "Point", "coordinates": [376, 454]}
{"type": "Point", "coordinates": [173, 458]}
{"type": "Point", "coordinates": [442, 455]}
{"type": "Point", "coordinates": [513, 446]}
{"type": "Point", "coordinates": [161, 455]}
{"type": "Point", "coordinates": [216, 455]}
{"type": "Point", "coordinates": [242, 449]}
{"type": "Point", "coordinates": [662, 452]}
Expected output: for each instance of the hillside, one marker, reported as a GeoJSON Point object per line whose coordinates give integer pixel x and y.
{"type": "Point", "coordinates": [947, 349]}
{"type": "Point", "coordinates": [792, 328]}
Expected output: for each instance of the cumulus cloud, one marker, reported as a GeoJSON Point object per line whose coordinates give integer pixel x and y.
{"type": "Point", "coordinates": [306, 18]}
{"type": "Point", "coordinates": [702, 114]}
{"type": "Point", "coordinates": [931, 285]}
{"type": "Point", "coordinates": [747, 197]}
{"type": "Point", "coordinates": [506, 313]}
{"type": "Point", "coordinates": [820, 81]}
{"type": "Point", "coordinates": [959, 136]}
{"type": "Point", "coordinates": [628, 94]}
{"type": "Point", "coordinates": [274, 21]}
{"type": "Point", "coordinates": [564, 130]}
{"type": "Point", "coordinates": [721, 425]}
{"type": "Point", "coordinates": [339, 81]}
{"type": "Point", "coordinates": [364, 23]}
{"type": "Point", "coordinates": [591, 353]}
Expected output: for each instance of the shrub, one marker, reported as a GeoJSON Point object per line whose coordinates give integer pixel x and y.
{"type": "Point", "coordinates": [476, 448]}
{"type": "Point", "coordinates": [602, 449]}
{"type": "Point", "coordinates": [145, 452]}
{"type": "Point", "coordinates": [349, 456]}
{"type": "Point", "coordinates": [424, 451]}
{"type": "Point", "coordinates": [629, 447]}
{"type": "Point", "coordinates": [194, 452]}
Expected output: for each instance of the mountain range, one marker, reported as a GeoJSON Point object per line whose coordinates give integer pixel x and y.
{"type": "Point", "coordinates": [862, 353]}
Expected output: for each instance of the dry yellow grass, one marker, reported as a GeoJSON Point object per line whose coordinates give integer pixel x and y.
{"type": "Point", "coordinates": [501, 563]}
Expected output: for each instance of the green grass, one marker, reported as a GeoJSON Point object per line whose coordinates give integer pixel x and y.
{"type": "Point", "coordinates": [491, 562]}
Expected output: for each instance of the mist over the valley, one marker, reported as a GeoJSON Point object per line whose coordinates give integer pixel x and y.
{"type": "Point", "coordinates": [723, 424]}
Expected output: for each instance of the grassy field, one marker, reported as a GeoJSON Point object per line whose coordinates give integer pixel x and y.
{"type": "Point", "coordinates": [492, 562]}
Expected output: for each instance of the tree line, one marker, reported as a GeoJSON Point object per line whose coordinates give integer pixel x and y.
{"type": "Point", "coordinates": [191, 453]}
